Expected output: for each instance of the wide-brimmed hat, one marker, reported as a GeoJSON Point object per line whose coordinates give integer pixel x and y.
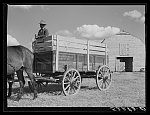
{"type": "Point", "coordinates": [42, 22]}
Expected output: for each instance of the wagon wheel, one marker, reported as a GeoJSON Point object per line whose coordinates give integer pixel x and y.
{"type": "Point", "coordinates": [103, 77]}
{"type": "Point", "coordinates": [71, 82]}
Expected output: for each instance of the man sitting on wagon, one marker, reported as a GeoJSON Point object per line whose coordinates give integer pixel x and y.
{"type": "Point", "coordinates": [43, 32]}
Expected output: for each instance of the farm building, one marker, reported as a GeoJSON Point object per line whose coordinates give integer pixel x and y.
{"type": "Point", "coordinates": [126, 52]}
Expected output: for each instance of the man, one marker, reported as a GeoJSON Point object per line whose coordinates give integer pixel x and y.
{"type": "Point", "coordinates": [43, 32]}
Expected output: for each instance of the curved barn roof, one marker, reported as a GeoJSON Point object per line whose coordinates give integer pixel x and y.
{"type": "Point", "coordinates": [123, 36]}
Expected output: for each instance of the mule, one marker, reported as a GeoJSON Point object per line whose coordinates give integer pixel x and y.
{"type": "Point", "coordinates": [20, 58]}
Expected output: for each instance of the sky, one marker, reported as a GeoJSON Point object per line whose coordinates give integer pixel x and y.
{"type": "Point", "coordinates": [94, 22]}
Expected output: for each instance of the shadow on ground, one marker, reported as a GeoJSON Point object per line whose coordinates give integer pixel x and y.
{"type": "Point", "coordinates": [53, 89]}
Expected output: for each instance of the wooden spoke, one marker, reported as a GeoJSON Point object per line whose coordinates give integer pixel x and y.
{"type": "Point", "coordinates": [107, 82]}
{"type": "Point", "coordinates": [68, 86]}
{"type": "Point", "coordinates": [107, 72]}
{"type": "Point", "coordinates": [68, 76]}
{"type": "Point", "coordinates": [71, 73]}
{"type": "Point", "coordinates": [76, 84]}
{"type": "Point", "coordinates": [67, 79]}
{"type": "Point", "coordinates": [99, 76]}
{"type": "Point", "coordinates": [72, 90]}
{"type": "Point", "coordinates": [66, 82]}
{"type": "Point", "coordinates": [74, 74]}
{"type": "Point", "coordinates": [68, 91]}
{"type": "Point", "coordinates": [104, 84]}
{"type": "Point", "coordinates": [100, 82]}
{"type": "Point", "coordinates": [76, 78]}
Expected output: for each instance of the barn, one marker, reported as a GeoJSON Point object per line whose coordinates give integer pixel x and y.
{"type": "Point", "coordinates": [126, 52]}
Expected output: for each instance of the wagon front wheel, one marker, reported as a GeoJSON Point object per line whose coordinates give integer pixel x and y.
{"type": "Point", "coordinates": [71, 82]}
{"type": "Point", "coordinates": [103, 77]}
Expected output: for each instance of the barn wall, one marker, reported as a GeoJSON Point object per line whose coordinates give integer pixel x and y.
{"type": "Point", "coordinates": [136, 49]}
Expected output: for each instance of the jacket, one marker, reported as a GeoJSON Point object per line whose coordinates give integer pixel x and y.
{"type": "Point", "coordinates": [43, 33]}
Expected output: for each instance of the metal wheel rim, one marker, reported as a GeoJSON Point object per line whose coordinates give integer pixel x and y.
{"type": "Point", "coordinates": [71, 82]}
{"type": "Point", "coordinates": [103, 78]}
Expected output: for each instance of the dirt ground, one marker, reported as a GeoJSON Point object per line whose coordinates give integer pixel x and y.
{"type": "Point", "coordinates": [127, 90]}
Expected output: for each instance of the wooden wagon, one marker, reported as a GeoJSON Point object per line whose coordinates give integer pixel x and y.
{"type": "Point", "coordinates": [66, 60]}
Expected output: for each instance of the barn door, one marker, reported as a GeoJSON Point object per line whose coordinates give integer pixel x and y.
{"type": "Point", "coordinates": [129, 64]}
{"type": "Point", "coordinates": [124, 64]}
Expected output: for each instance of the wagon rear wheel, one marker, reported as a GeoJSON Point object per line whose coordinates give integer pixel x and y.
{"type": "Point", "coordinates": [103, 77]}
{"type": "Point", "coordinates": [71, 82]}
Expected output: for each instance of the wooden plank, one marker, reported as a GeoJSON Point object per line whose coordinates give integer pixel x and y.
{"type": "Point", "coordinates": [70, 43]}
{"type": "Point", "coordinates": [81, 51]}
{"type": "Point", "coordinates": [79, 41]}
{"type": "Point", "coordinates": [67, 49]}
{"type": "Point", "coordinates": [49, 38]}
{"type": "Point", "coordinates": [92, 48]}
{"type": "Point", "coordinates": [42, 49]}
{"type": "Point", "coordinates": [72, 50]}
{"type": "Point", "coordinates": [98, 44]}
{"type": "Point", "coordinates": [71, 39]}
{"type": "Point", "coordinates": [79, 46]}
{"type": "Point", "coordinates": [45, 44]}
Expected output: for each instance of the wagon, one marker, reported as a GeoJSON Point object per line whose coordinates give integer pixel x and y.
{"type": "Point", "coordinates": [67, 60]}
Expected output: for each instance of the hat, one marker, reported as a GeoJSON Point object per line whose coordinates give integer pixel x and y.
{"type": "Point", "coordinates": [42, 22]}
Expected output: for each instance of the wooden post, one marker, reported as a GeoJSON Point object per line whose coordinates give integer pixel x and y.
{"type": "Point", "coordinates": [115, 64]}
{"type": "Point", "coordinates": [106, 54]}
{"type": "Point", "coordinates": [57, 53]}
{"type": "Point", "coordinates": [53, 54]}
{"type": "Point", "coordinates": [52, 42]}
{"type": "Point", "coordinates": [87, 55]}
{"type": "Point", "coordinates": [76, 56]}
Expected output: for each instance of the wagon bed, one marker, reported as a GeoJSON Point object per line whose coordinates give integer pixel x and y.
{"type": "Point", "coordinates": [67, 60]}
